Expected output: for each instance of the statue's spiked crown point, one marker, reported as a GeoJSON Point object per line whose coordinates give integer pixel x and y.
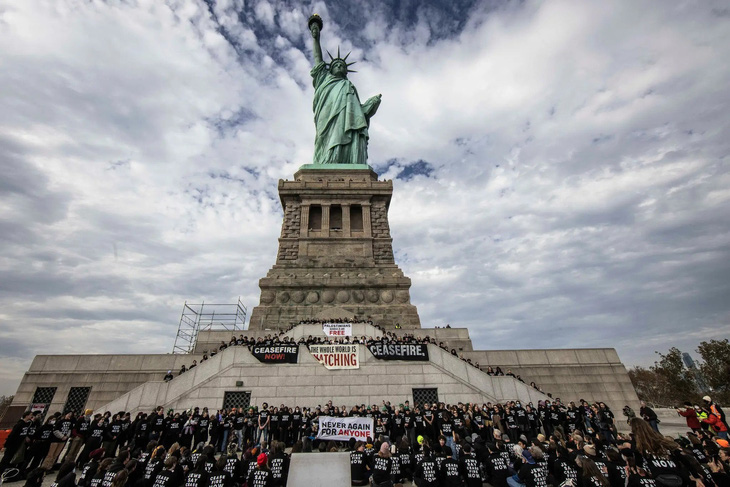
{"type": "Point", "coordinates": [339, 58]}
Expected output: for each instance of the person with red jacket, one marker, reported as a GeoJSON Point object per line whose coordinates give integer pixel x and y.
{"type": "Point", "coordinates": [716, 423]}
{"type": "Point", "coordinates": [690, 416]}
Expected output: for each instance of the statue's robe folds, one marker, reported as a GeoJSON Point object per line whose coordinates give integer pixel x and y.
{"type": "Point", "coordinates": [340, 119]}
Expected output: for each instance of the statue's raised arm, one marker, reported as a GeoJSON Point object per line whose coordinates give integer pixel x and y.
{"type": "Point", "coordinates": [315, 27]}
{"type": "Point", "coordinates": [341, 121]}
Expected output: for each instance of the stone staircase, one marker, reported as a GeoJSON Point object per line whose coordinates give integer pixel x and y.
{"type": "Point", "coordinates": [309, 383]}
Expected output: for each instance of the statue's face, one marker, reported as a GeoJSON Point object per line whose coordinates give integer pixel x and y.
{"type": "Point", "coordinates": [338, 68]}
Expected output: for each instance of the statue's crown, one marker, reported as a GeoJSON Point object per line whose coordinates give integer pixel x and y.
{"type": "Point", "coordinates": [338, 58]}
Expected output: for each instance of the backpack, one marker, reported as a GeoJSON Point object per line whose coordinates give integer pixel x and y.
{"type": "Point", "coordinates": [669, 480]}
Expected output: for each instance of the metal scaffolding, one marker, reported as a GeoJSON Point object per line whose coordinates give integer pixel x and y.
{"type": "Point", "coordinates": [204, 316]}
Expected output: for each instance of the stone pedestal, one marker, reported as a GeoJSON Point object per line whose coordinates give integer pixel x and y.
{"type": "Point", "coordinates": [335, 256]}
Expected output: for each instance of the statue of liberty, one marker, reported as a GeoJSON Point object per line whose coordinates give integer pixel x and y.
{"type": "Point", "coordinates": [341, 121]}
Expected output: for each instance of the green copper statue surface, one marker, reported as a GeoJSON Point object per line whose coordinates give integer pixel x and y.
{"type": "Point", "coordinates": [340, 119]}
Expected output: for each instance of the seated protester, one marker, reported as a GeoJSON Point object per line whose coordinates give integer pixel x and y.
{"type": "Point", "coordinates": [66, 476]}
{"type": "Point", "coordinates": [98, 478]}
{"type": "Point", "coordinates": [144, 456]}
{"type": "Point", "coordinates": [134, 473]}
{"type": "Point", "coordinates": [381, 466]}
{"type": "Point", "coordinates": [234, 466]}
{"type": "Point", "coordinates": [449, 470]}
{"type": "Point", "coordinates": [637, 476]}
{"type": "Point", "coordinates": [659, 455]}
{"type": "Point", "coordinates": [593, 452]}
{"type": "Point", "coordinates": [197, 477]}
{"type": "Point", "coordinates": [219, 477]}
{"type": "Point", "coordinates": [167, 477]}
{"type": "Point", "coordinates": [184, 461]}
{"type": "Point", "coordinates": [209, 456]}
{"type": "Point", "coordinates": [122, 458]}
{"type": "Point", "coordinates": [697, 471]}
{"type": "Point", "coordinates": [89, 470]}
{"type": "Point", "coordinates": [616, 468]}
{"type": "Point", "coordinates": [153, 467]}
{"type": "Point", "coordinates": [395, 471]}
{"type": "Point", "coordinates": [369, 450]}
{"type": "Point", "coordinates": [358, 465]}
{"type": "Point", "coordinates": [405, 459]}
{"type": "Point", "coordinates": [718, 472]}
{"type": "Point", "coordinates": [121, 479]}
{"type": "Point", "coordinates": [278, 464]}
{"type": "Point", "coordinates": [590, 475]}
{"type": "Point", "coordinates": [564, 469]}
{"type": "Point", "coordinates": [496, 466]}
{"type": "Point", "coordinates": [261, 476]}
{"type": "Point", "coordinates": [470, 467]}
{"type": "Point", "coordinates": [249, 462]}
{"type": "Point", "coordinates": [693, 445]}
{"type": "Point", "coordinates": [426, 473]}
{"type": "Point", "coordinates": [531, 473]}
{"type": "Point", "coordinates": [34, 478]}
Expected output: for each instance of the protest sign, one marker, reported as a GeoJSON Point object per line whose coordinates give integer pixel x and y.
{"type": "Point", "coordinates": [276, 354]}
{"type": "Point", "coordinates": [337, 356]}
{"type": "Point", "coordinates": [337, 329]}
{"type": "Point", "coordinates": [342, 429]}
{"type": "Point", "coordinates": [399, 351]}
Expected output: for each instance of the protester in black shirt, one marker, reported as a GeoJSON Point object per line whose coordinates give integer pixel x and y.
{"type": "Point", "coordinates": [153, 467]}
{"type": "Point", "coordinates": [167, 476]}
{"type": "Point", "coordinates": [220, 477]}
{"type": "Point", "coordinates": [590, 475]}
{"type": "Point", "coordinates": [234, 467]}
{"type": "Point", "coordinates": [285, 424]}
{"type": "Point", "coordinates": [659, 454]}
{"type": "Point", "coordinates": [173, 429]}
{"type": "Point", "coordinates": [381, 467]}
{"type": "Point", "coordinates": [448, 469]}
{"type": "Point", "coordinates": [261, 476]}
{"type": "Point", "coordinates": [564, 469]}
{"type": "Point", "coordinates": [198, 477]}
{"type": "Point", "coordinates": [66, 476]}
{"type": "Point", "coordinates": [37, 450]}
{"type": "Point", "coordinates": [61, 433]}
{"type": "Point", "coordinates": [358, 465]}
{"type": "Point", "coordinates": [35, 477]}
{"type": "Point", "coordinates": [296, 418]}
{"type": "Point", "coordinates": [426, 474]}
{"type": "Point", "coordinates": [279, 464]}
{"type": "Point", "coordinates": [101, 472]}
{"type": "Point", "coordinates": [94, 439]}
{"type": "Point", "coordinates": [405, 459]}
{"type": "Point", "coordinates": [89, 469]}
{"type": "Point", "coordinates": [532, 473]}
{"type": "Point", "coordinates": [273, 424]}
{"type": "Point", "coordinates": [470, 468]}
{"type": "Point", "coordinates": [616, 468]}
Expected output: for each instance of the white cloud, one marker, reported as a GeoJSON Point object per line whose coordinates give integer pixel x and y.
{"type": "Point", "coordinates": [579, 155]}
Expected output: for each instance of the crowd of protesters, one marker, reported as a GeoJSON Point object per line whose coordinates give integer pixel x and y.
{"type": "Point", "coordinates": [386, 337]}
{"type": "Point", "coordinates": [507, 445]}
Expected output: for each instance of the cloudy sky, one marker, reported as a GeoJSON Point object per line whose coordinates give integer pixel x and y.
{"type": "Point", "coordinates": [560, 168]}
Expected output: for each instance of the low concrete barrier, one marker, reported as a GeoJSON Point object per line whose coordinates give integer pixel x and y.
{"type": "Point", "coordinates": [319, 470]}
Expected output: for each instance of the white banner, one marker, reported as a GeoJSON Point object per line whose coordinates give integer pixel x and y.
{"type": "Point", "coordinates": [337, 329]}
{"type": "Point", "coordinates": [342, 429]}
{"type": "Point", "coordinates": [337, 356]}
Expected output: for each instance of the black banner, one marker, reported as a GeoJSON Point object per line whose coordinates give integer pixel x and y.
{"type": "Point", "coordinates": [276, 354]}
{"type": "Point", "coordinates": [399, 351]}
